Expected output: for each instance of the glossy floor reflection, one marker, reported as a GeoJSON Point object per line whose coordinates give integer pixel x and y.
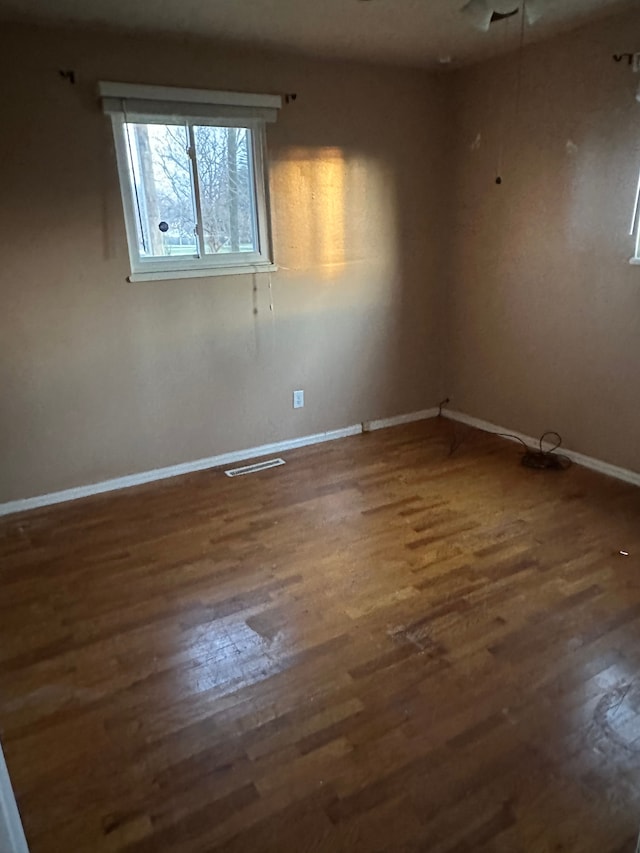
{"type": "Point", "coordinates": [377, 647]}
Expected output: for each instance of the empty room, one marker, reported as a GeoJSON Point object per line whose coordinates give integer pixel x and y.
{"type": "Point", "coordinates": [319, 419]}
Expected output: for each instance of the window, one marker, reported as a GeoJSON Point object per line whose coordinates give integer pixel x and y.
{"type": "Point", "coordinates": [193, 179]}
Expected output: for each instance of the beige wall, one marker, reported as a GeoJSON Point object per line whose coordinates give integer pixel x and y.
{"type": "Point", "coordinates": [544, 310]}
{"type": "Point", "coordinates": [102, 378]}
{"type": "Point", "coordinates": [406, 273]}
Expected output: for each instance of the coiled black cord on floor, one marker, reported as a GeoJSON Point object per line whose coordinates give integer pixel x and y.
{"type": "Point", "coordinates": [538, 459]}
{"type": "Point", "coordinates": [541, 459]}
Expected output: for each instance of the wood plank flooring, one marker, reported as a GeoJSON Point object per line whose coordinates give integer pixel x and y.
{"type": "Point", "coordinates": [377, 647]}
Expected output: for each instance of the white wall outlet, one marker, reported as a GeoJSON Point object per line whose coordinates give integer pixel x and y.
{"type": "Point", "coordinates": [298, 399]}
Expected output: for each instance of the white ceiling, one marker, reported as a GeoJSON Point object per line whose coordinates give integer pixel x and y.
{"type": "Point", "coordinates": [408, 32]}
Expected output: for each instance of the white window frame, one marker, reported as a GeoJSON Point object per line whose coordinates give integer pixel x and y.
{"type": "Point", "coordinates": [245, 105]}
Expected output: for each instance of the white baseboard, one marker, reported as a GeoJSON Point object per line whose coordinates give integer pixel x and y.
{"type": "Point", "coordinates": [290, 444]}
{"type": "Point", "coordinates": [579, 458]}
{"type": "Point", "coordinates": [202, 464]}
{"type": "Point", "coordinates": [12, 838]}
{"type": "Point", "coordinates": [396, 420]}
{"type": "Point", "coordinates": [173, 471]}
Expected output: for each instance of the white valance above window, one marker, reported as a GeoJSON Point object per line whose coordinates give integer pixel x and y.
{"type": "Point", "coordinates": [233, 107]}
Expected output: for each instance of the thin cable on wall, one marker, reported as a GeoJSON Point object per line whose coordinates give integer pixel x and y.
{"type": "Point", "coordinates": [503, 114]}
{"type": "Point", "coordinates": [523, 18]}
{"type": "Point", "coordinates": [516, 102]}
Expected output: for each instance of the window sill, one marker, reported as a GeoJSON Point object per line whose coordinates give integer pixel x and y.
{"type": "Point", "coordinates": [635, 262]}
{"type": "Point", "coordinates": [171, 275]}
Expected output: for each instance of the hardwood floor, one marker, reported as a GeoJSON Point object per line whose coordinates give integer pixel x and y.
{"type": "Point", "coordinates": [377, 647]}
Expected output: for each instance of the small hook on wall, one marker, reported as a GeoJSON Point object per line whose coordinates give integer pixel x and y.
{"type": "Point", "coordinates": [633, 59]}
{"type": "Point", "coordinates": [69, 75]}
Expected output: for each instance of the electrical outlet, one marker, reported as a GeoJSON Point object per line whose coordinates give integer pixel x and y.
{"type": "Point", "coordinates": [298, 399]}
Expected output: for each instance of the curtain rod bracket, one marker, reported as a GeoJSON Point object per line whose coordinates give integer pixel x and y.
{"type": "Point", "coordinates": [633, 59]}
{"type": "Point", "coordinates": [68, 75]}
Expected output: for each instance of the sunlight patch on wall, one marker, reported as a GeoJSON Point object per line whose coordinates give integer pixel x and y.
{"type": "Point", "coordinates": [331, 210]}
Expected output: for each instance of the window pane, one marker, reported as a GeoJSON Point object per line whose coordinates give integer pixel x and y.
{"type": "Point", "coordinates": [225, 175]}
{"type": "Point", "coordinates": [160, 171]}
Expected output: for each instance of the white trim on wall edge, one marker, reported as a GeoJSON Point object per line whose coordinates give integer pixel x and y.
{"type": "Point", "coordinates": [12, 839]}
{"type": "Point", "coordinates": [202, 464]}
{"type": "Point", "coordinates": [579, 458]}
{"type": "Point", "coordinates": [396, 420]}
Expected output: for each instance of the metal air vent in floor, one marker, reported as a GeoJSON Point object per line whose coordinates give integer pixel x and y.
{"type": "Point", "coordinates": [251, 469]}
